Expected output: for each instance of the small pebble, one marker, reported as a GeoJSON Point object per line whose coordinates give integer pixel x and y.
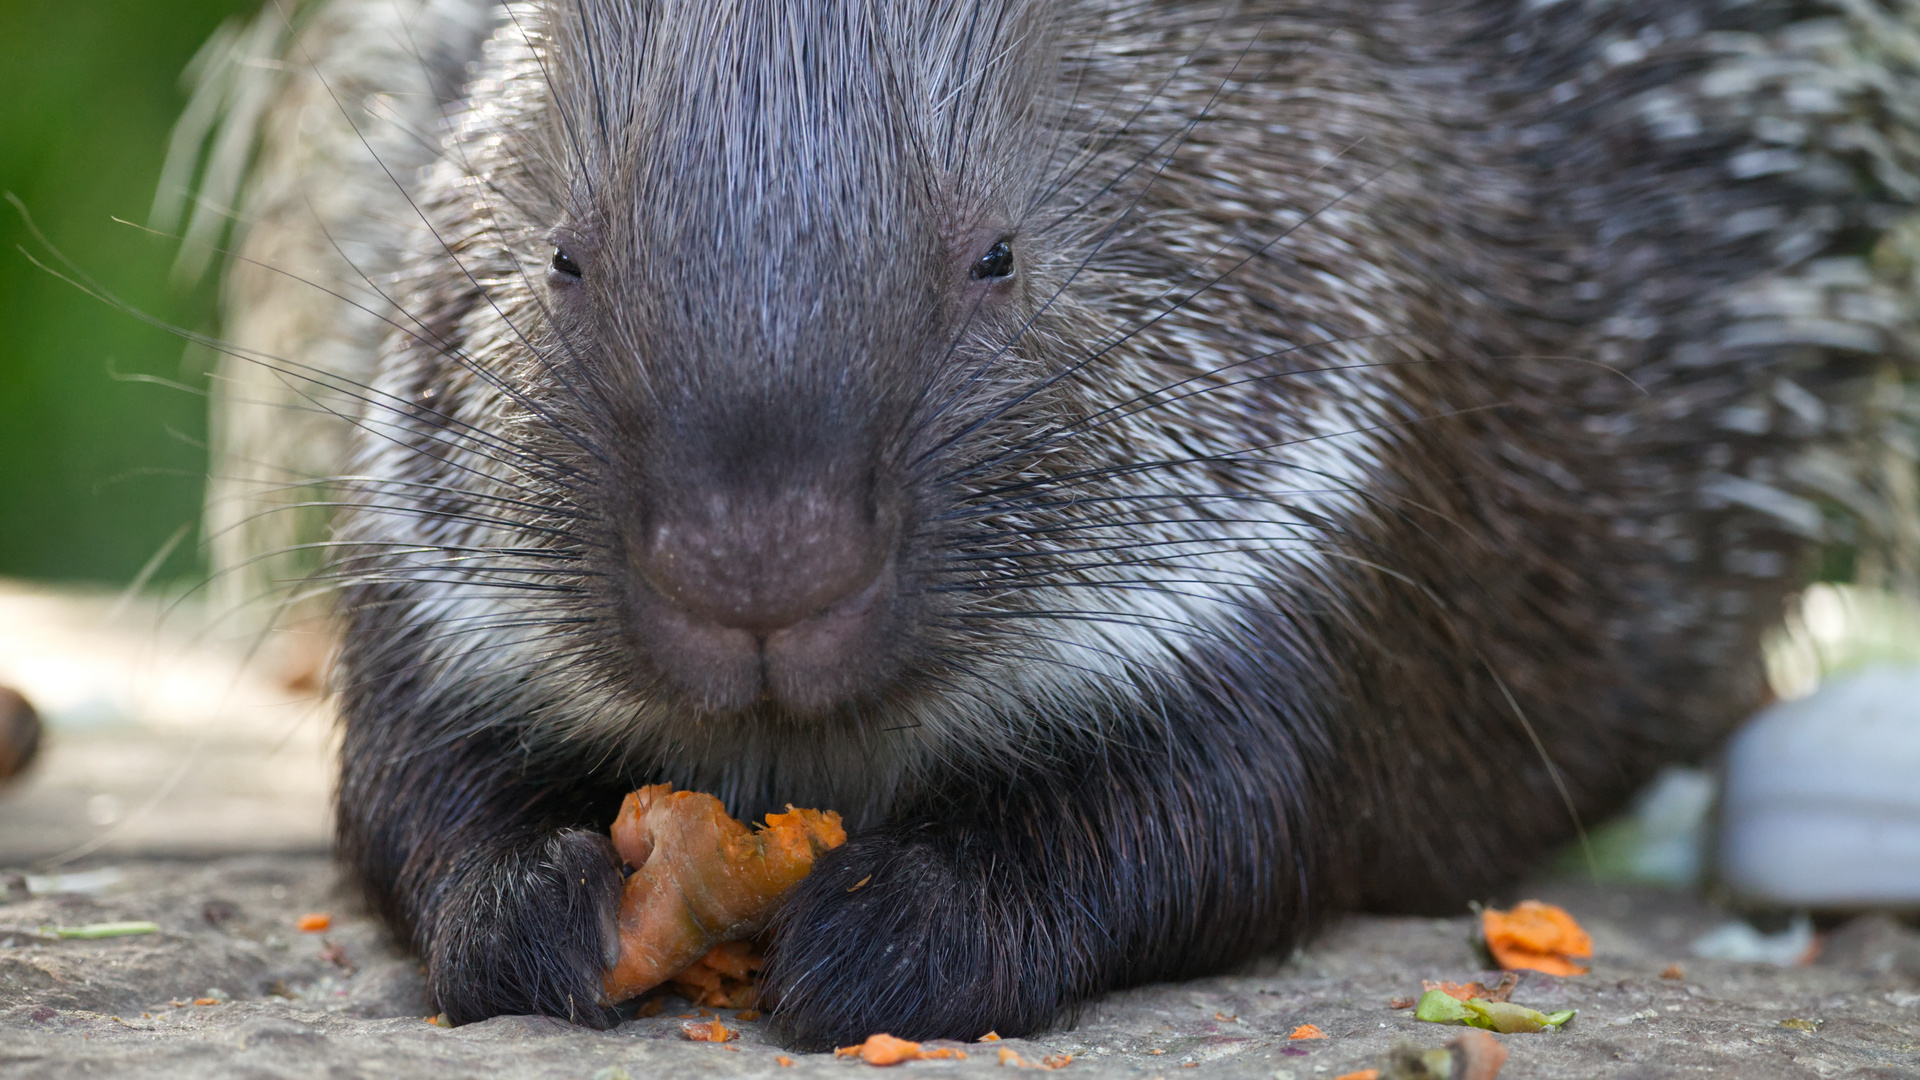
{"type": "Point", "coordinates": [19, 733]}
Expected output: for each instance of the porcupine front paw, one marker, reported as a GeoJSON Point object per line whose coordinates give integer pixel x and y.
{"type": "Point", "coordinates": [529, 931]}
{"type": "Point", "coordinates": [905, 932]}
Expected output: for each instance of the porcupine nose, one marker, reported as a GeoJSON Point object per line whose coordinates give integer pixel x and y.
{"type": "Point", "coordinates": [773, 597]}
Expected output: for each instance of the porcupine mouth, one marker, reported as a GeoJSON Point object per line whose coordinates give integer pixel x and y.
{"type": "Point", "coordinates": [804, 661]}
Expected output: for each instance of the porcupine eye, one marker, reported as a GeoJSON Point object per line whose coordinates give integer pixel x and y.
{"type": "Point", "coordinates": [996, 263]}
{"type": "Point", "coordinates": [564, 264]}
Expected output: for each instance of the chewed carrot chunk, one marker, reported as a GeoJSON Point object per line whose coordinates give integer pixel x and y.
{"type": "Point", "coordinates": [884, 1049]}
{"type": "Point", "coordinates": [722, 978]}
{"type": "Point", "coordinates": [708, 1031]}
{"type": "Point", "coordinates": [703, 879]}
{"type": "Point", "coordinates": [1536, 936]}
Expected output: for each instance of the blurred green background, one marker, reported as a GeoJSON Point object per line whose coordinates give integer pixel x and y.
{"type": "Point", "coordinates": [96, 473]}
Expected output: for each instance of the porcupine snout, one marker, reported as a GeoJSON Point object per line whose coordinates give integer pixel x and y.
{"type": "Point", "coordinates": [765, 592]}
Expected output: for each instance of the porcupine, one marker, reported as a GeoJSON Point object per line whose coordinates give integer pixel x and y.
{"type": "Point", "coordinates": [1164, 471]}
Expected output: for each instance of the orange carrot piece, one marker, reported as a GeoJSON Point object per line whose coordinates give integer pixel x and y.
{"type": "Point", "coordinates": [702, 879]}
{"type": "Point", "coordinates": [708, 1031]}
{"type": "Point", "coordinates": [884, 1049]}
{"type": "Point", "coordinates": [1537, 937]}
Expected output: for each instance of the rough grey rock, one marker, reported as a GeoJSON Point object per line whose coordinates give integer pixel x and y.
{"type": "Point", "coordinates": [345, 1003]}
{"type": "Point", "coordinates": [1822, 796]}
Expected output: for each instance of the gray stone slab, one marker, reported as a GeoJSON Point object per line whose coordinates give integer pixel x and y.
{"type": "Point", "coordinates": [346, 1003]}
{"type": "Point", "coordinates": [168, 730]}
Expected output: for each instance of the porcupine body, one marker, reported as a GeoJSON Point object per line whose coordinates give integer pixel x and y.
{"type": "Point", "coordinates": [1163, 471]}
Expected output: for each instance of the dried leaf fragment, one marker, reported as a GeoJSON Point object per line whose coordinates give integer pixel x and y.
{"type": "Point", "coordinates": [702, 879]}
{"type": "Point", "coordinates": [96, 931]}
{"type": "Point", "coordinates": [1475, 1055]}
{"type": "Point", "coordinates": [1536, 936]}
{"type": "Point", "coordinates": [1438, 1007]}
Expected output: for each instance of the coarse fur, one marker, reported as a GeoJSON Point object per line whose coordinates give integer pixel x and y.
{"type": "Point", "coordinates": [1400, 422]}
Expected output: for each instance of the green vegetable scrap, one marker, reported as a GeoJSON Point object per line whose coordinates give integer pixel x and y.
{"type": "Point", "coordinates": [100, 930]}
{"type": "Point", "coordinates": [1439, 1007]}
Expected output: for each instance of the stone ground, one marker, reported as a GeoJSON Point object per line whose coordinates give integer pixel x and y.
{"type": "Point", "coordinates": [345, 1003]}
{"type": "Point", "coordinates": [185, 787]}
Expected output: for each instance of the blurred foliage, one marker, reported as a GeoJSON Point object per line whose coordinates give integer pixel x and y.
{"type": "Point", "coordinates": [99, 471]}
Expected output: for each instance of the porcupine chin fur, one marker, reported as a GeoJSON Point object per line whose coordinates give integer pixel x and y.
{"type": "Point", "coordinates": [1388, 428]}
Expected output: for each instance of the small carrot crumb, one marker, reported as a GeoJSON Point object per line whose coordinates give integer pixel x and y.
{"type": "Point", "coordinates": [1189, 1064]}
{"type": "Point", "coordinates": [1224, 1018]}
{"type": "Point", "coordinates": [1307, 1031]}
{"type": "Point", "coordinates": [991, 1036]}
{"type": "Point", "coordinates": [1674, 971]}
{"type": "Point", "coordinates": [1156, 1051]}
{"type": "Point", "coordinates": [1363, 1074]}
{"type": "Point", "coordinates": [783, 1061]}
{"type": "Point", "coordinates": [1536, 936]}
{"type": "Point", "coordinates": [884, 1049]}
{"type": "Point", "coordinates": [708, 1031]}
{"type": "Point", "coordinates": [1052, 1061]}
{"type": "Point", "coordinates": [206, 1001]}
{"type": "Point", "coordinates": [314, 922]}
{"type": "Point", "coordinates": [1467, 991]}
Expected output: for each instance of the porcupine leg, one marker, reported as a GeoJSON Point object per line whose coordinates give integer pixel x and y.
{"type": "Point", "coordinates": [507, 892]}
{"type": "Point", "coordinates": [1150, 863]}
